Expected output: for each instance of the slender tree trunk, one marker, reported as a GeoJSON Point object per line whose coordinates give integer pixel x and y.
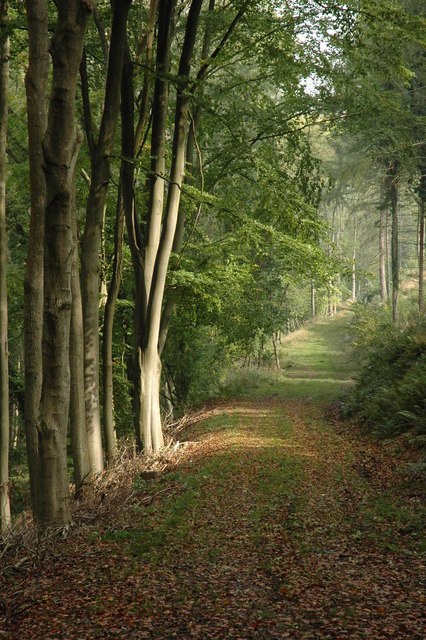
{"type": "Point", "coordinates": [354, 260]}
{"type": "Point", "coordinates": [151, 419]}
{"type": "Point", "coordinates": [382, 253]}
{"type": "Point", "coordinates": [421, 254]}
{"type": "Point", "coordinates": [393, 197]}
{"type": "Point", "coordinates": [330, 281]}
{"type": "Point", "coordinates": [93, 227]}
{"type": "Point", "coordinates": [147, 43]}
{"type": "Point", "coordinates": [79, 444]}
{"type": "Point", "coordinates": [5, 519]}
{"type": "Point", "coordinates": [36, 83]}
{"type": "Point", "coordinates": [388, 278]}
{"type": "Point", "coordinates": [313, 310]}
{"type": "Point", "coordinates": [275, 346]}
{"type": "Point", "coordinates": [113, 291]}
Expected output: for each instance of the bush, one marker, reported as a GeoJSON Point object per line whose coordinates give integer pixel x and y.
{"type": "Point", "coordinates": [390, 394]}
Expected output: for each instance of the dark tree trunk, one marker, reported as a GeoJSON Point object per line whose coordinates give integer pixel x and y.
{"type": "Point", "coordinates": [113, 291]}
{"type": "Point", "coordinates": [393, 199]}
{"type": "Point", "coordinates": [93, 228]}
{"type": "Point", "coordinates": [36, 83]}
{"type": "Point", "coordinates": [4, 351]}
{"type": "Point", "coordinates": [52, 503]}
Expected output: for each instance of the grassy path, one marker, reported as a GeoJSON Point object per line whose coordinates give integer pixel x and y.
{"type": "Point", "coordinates": [277, 522]}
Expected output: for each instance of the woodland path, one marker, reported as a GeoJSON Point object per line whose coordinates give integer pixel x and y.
{"type": "Point", "coordinates": [278, 521]}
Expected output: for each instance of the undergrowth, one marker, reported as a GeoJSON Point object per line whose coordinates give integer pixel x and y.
{"type": "Point", "coordinates": [390, 393]}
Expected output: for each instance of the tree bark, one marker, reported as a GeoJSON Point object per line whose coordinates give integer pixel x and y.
{"type": "Point", "coordinates": [79, 444]}
{"type": "Point", "coordinates": [354, 260]}
{"type": "Point", "coordinates": [113, 291]}
{"type": "Point", "coordinates": [36, 83]}
{"type": "Point", "coordinates": [393, 199]}
{"type": "Point", "coordinates": [151, 419]}
{"type": "Point", "coordinates": [275, 346]}
{"type": "Point", "coordinates": [5, 519]}
{"type": "Point", "coordinates": [421, 255]}
{"type": "Point", "coordinates": [52, 504]}
{"type": "Point", "coordinates": [422, 197]}
{"type": "Point", "coordinates": [382, 252]}
{"type": "Point", "coordinates": [92, 232]}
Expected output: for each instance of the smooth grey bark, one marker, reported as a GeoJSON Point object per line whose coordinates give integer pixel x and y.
{"type": "Point", "coordinates": [90, 245]}
{"type": "Point", "coordinates": [5, 518]}
{"type": "Point", "coordinates": [148, 351]}
{"type": "Point", "coordinates": [59, 156]}
{"type": "Point", "coordinates": [190, 150]}
{"type": "Point", "coordinates": [145, 46]}
{"type": "Point", "coordinates": [36, 83]}
{"type": "Point", "coordinates": [151, 249]}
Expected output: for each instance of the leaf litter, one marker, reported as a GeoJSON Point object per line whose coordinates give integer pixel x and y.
{"type": "Point", "coordinates": [274, 520]}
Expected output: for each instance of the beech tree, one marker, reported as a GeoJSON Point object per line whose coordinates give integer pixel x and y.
{"type": "Point", "coordinates": [4, 351]}
{"type": "Point", "coordinates": [100, 152]}
{"type": "Point", "coordinates": [53, 154]}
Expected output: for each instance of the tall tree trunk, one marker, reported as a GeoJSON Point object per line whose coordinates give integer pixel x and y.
{"type": "Point", "coordinates": [354, 260]}
{"type": "Point", "coordinates": [275, 346]}
{"type": "Point", "coordinates": [79, 444]}
{"type": "Point", "coordinates": [113, 291]}
{"type": "Point", "coordinates": [59, 156]}
{"type": "Point", "coordinates": [189, 178]}
{"type": "Point", "coordinates": [36, 83]}
{"type": "Point", "coordinates": [387, 251]}
{"type": "Point", "coordinates": [393, 198]}
{"type": "Point", "coordinates": [422, 197]}
{"type": "Point", "coordinates": [313, 311]}
{"type": "Point", "coordinates": [5, 519]}
{"type": "Point", "coordinates": [421, 254]}
{"type": "Point", "coordinates": [144, 246]}
{"type": "Point", "coordinates": [93, 227]}
{"type": "Point", "coordinates": [330, 281]}
{"type": "Point", "coordinates": [382, 253]}
{"type": "Point", "coordinates": [151, 419]}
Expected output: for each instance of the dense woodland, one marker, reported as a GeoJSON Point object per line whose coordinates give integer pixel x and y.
{"type": "Point", "coordinates": [183, 183]}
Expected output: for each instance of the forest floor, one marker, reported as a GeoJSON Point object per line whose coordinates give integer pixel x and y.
{"type": "Point", "coordinates": [278, 520]}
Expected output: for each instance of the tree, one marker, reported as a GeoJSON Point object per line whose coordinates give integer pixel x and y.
{"type": "Point", "coordinates": [152, 247]}
{"type": "Point", "coordinates": [53, 154]}
{"type": "Point", "coordinates": [90, 246]}
{"type": "Point", "coordinates": [4, 351]}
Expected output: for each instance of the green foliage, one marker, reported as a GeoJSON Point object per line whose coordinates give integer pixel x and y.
{"type": "Point", "coordinates": [390, 395]}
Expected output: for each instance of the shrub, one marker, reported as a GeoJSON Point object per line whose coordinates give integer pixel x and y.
{"type": "Point", "coordinates": [390, 394]}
